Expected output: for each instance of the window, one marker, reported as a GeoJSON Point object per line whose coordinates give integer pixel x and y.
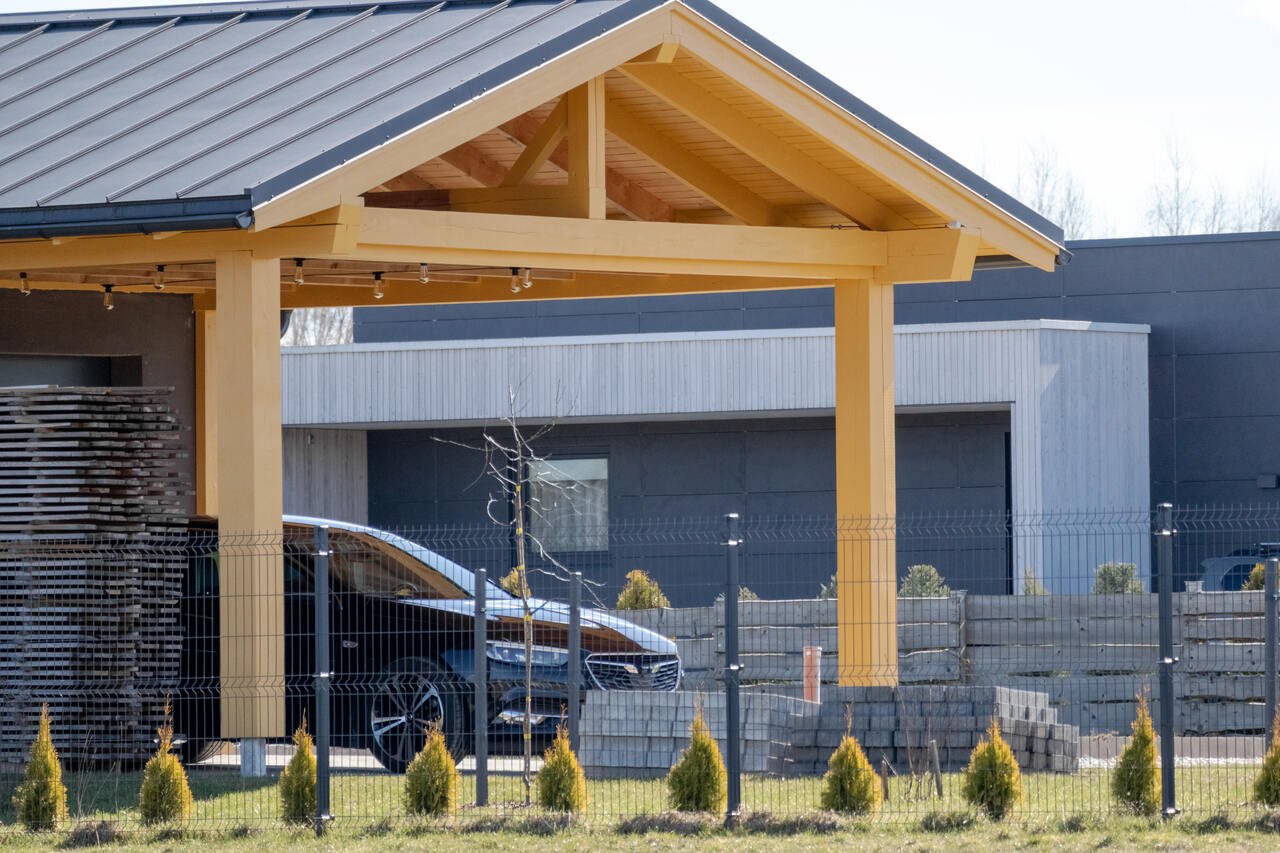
{"type": "Point", "coordinates": [569, 504]}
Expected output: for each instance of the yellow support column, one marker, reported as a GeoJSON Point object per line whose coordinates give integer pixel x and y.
{"type": "Point", "coordinates": [866, 570]}
{"type": "Point", "coordinates": [249, 451]}
{"type": "Point", "coordinates": [586, 106]}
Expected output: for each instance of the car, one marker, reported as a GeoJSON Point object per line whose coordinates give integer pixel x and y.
{"type": "Point", "coordinates": [402, 656]}
{"type": "Point", "coordinates": [1229, 573]}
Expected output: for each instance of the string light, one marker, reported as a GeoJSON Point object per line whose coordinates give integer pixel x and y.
{"type": "Point", "coordinates": [515, 280]}
{"type": "Point", "coordinates": [298, 278]}
{"type": "Point", "coordinates": [24, 285]}
{"type": "Point", "coordinates": [377, 286]}
{"type": "Point", "coordinates": [424, 273]}
{"type": "Point", "coordinates": [157, 279]}
{"type": "Point", "coordinates": [108, 298]}
{"type": "Point", "coordinates": [526, 278]}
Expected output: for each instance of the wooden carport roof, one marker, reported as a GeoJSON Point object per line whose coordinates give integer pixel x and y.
{"type": "Point", "coordinates": [282, 154]}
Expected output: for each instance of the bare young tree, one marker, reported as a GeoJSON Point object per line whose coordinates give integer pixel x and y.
{"type": "Point", "coordinates": [509, 455]}
{"type": "Point", "coordinates": [312, 327]}
{"type": "Point", "coordinates": [1053, 190]}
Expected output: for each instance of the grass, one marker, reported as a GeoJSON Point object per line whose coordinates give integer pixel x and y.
{"type": "Point", "coordinates": [1071, 811]}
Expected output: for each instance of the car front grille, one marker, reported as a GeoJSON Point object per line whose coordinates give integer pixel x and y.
{"type": "Point", "coordinates": [635, 672]}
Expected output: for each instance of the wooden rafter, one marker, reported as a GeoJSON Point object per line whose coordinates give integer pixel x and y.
{"type": "Point", "coordinates": [475, 164]}
{"type": "Point", "coordinates": [539, 145]}
{"type": "Point", "coordinates": [770, 151]}
{"type": "Point", "coordinates": [635, 200]}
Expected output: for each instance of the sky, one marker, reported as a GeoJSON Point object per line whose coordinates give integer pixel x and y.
{"type": "Point", "coordinates": [1104, 86]}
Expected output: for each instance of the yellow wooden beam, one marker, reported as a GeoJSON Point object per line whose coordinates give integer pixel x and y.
{"type": "Point", "coordinates": [498, 289]}
{"type": "Point", "coordinates": [475, 239]}
{"type": "Point", "coordinates": [689, 168]}
{"type": "Point", "coordinates": [469, 120]}
{"type": "Point", "coordinates": [866, 573]}
{"type": "Point", "coordinates": [585, 117]}
{"type": "Point", "coordinates": [475, 164]}
{"type": "Point", "coordinates": [861, 142]}
{"type": "Point", "coordinates": [663, 54]}
{"type": "Point", "coordinates": [636, 201]}
{"type": "Point", "coordinates": [942, 254]}
{"type": "Point", "coordinates": [756, 142]}
{"type": "Point", "coordinates": [250, 502]}
{"type": "Point", "coordinates": [206, 414]}
{"type": "Point", "coordinates": [539, 147]}
{"type": "Point", "coordinates": [291, 241]}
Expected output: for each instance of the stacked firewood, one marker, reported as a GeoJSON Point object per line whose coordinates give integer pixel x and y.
{"type": "Point", "coordinates": [92, 536]}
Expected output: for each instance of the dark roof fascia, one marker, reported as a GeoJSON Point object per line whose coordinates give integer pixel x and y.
{"type": "Point", "coordinates": [842, 97]}
{"type": "Point", "coordinates": [439, 106]}
{"type": "Point", "coordinates": [1176, 240]}
{"type": "Point", "coordinates": [138, 217]}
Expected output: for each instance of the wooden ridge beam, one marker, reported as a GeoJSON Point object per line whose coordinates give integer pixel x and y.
{"type": "Point", "coordinates": [770, 151]}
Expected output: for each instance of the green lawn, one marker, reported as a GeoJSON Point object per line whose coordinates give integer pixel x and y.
{"type": "Point", "coordinates": [360, 801]}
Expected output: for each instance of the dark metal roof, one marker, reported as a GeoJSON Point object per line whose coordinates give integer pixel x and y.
{"type": "Point", "coordinates": [189, 116]}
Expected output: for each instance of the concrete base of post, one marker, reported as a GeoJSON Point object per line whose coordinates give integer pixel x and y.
{"type": "Point", "coordinates": [253, 757]}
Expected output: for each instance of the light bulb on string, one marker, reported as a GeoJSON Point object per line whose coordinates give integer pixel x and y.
{"type": "Point", "coordinates": [515, 280]}
{"type": "Point", "coordinates": [377, 286]}
{"type": "Point", "coordinates": [298, 278]}
{"type": "Point", "coordinates": [24, 285]}
{"type": "Point", "coordinates": [526, 278]}
{"type": "Point", "coordinates": [424, 273]}
{"type": "Point", "coordinates": [108, 298]}
{"type": "Point", "coordinates": [157, 278]}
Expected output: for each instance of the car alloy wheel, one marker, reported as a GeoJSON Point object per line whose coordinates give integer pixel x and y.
{"type": "Point", "coordinates": [412, 695]}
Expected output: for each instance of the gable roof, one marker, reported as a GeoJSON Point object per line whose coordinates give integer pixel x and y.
{"type": "Point", "coordinates": [189, 117]}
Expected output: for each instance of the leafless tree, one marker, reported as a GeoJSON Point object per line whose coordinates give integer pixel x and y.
{"type": "Point", "coordinates": [311, 327]}
{"type": "Point", "coordinates": [1053, 190]}
{"type": "Point", "coordinates": [509, 453]}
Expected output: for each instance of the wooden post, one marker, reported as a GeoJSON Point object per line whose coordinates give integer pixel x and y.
{"type": "Point", "coordinates": [251, 603]}
{"type": "Point", "coordinates": [586, 105]}
{"type": "Point", "coordinates": [866, 574]}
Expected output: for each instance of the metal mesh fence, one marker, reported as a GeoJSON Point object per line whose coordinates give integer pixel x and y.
{"type": "Point", "coordinates": [912, 635]}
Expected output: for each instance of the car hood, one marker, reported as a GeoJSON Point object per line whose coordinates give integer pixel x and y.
{"type": "Point", "coordinates": [606, 626]}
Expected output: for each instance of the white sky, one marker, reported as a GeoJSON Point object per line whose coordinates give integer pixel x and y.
{"type": "Point", "coordinates": [1103, 83]}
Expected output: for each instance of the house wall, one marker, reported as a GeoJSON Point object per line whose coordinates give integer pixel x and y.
{"type": "Point", "coordinates": [1211, 302]}
{"type": "Point", "coordinates": [149, 338]}
{"type": "Point", "coordinates": [326, 474]}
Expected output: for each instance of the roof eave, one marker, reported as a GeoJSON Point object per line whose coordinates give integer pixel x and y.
{"type": "Point", "coordinates": [135, 217]}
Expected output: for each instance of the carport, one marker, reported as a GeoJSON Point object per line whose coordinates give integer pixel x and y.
{"type": "Point", "coordinates": [266, 156]}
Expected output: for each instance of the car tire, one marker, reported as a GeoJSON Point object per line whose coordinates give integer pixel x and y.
{"type": "Point", "coordinates": [195, 751]}
{"type": "Point", "coordinates": [411, 695]}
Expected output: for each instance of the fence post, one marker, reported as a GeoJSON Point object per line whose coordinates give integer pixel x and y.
{"type": "Point", "coordinates": [575, 657]}
{"type": "Point", "coordinates": [732, 711]}
{"type": "Point", "coordinates": [1164, 565]}
{"type": "Point", "coordinates": [323, 680]}
{"type": "Point", "coordinates": [1269, 623]}
{"type": "Point", "coordinates": [481, 681]}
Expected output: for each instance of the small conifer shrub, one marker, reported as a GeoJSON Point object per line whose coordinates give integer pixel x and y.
{"type": "Point", "coordinates": [1135, 784]}
{"type": "Point", "coordinates": [41, 800]}
{"type": "Point", "coordinates": [699, 782]}
{"type": "Point", "coordinates": [1257, 578]}
{"type": "Point", "coordinates": [641, 592]}
{"type": "Point", "coordinates": [1117, 579]}
{"type": "Point", "coordinates": [431, 779]}
{"type": "Point", "coordinates": [1266, 788]}
{"type": "Point", "coordinates": [298, 780]}
{"type": "Point", "coordinates": [992, 781]}
{"type": "Point", "coordinates": [850, 785]}
{"type": "Point", "coordinates": [923, 581]}
{"type": "Point", "coordinates": [562, 787]}
{"type": "Point", "coordinates": [165, 794]}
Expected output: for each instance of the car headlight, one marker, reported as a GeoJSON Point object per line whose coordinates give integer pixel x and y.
{"type": "Point", "coordinates": [513, 653]}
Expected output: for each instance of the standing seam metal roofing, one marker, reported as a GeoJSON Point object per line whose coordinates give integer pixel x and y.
{"type": "Point", "coordinates": [187, 117]}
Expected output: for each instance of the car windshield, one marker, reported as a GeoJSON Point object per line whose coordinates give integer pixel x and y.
{"type": "Point", "coordinates": [369, 565]}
